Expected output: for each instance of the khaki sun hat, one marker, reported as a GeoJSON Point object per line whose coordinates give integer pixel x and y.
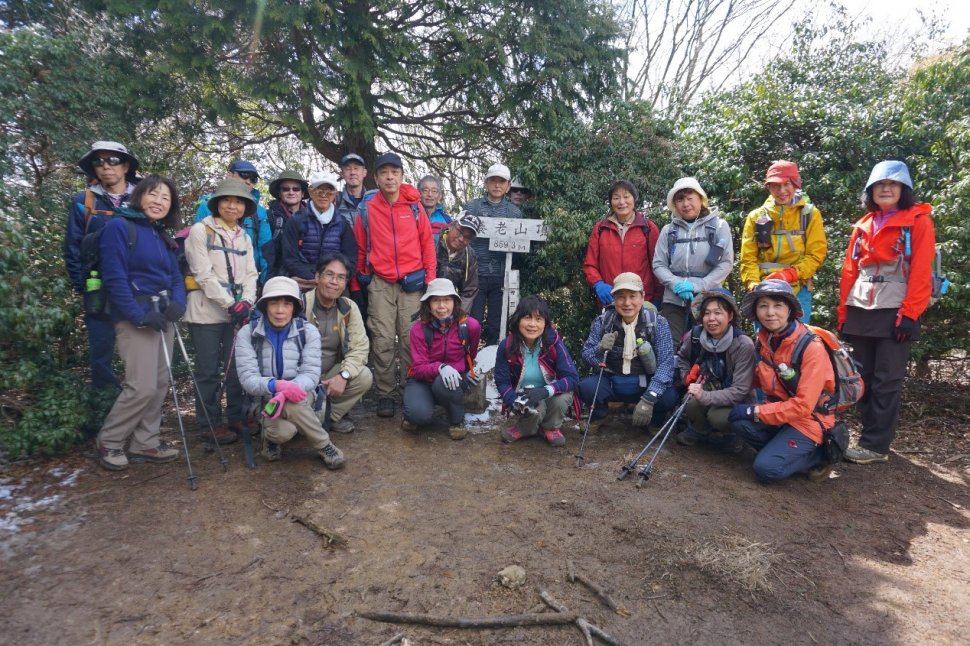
{"type": "Point", "coordinates": [440, 287]}
{"type": "Point", "coordinates": [234, 187]}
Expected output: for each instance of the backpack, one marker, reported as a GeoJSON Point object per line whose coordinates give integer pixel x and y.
{"type": "Point", "coordinates": [609, 319]}
{"type": "Point", "coordinates": [183, 262]}
{"type": "Point", "coordinates": [849, 386]}
{"type": "Point", "coordinates": [362, 216]}
{"type": "Point", "coordinates": [463, 339]}
{"type": "Point", "coordinates": [673, 239]}
{"type": "Point", "coordinates": [940, 283]}
{"type": "Point", "coordinates": [96, 301]}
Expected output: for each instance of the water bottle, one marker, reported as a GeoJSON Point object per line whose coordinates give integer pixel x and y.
{"type": "Point", "coordinates": [93, 283]}
{"type": "Point", "coordinates": [93, 295]}
{"type": "Point", "coordinates": [786, 372]}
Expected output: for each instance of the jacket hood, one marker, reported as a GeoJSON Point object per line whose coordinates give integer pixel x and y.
{"type": "Point", "coordinates": [130, 213]}
{"type": "Point", "coordinates": [679, 221]}
{"type": "Point", "coordinates": [409, 193]}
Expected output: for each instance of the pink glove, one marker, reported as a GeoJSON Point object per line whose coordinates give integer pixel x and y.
{"type": "Point", "coordinates": [290, 390]}
{"type": "Point", "coordinates": [788, 274]}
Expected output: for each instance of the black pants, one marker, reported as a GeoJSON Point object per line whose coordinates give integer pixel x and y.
{"type": "Point", "coordinates": [882, 364]}
{"type": "Point", "coordinates": [489, 298]}
{"type": "Point", "coordinates": [212, 343]}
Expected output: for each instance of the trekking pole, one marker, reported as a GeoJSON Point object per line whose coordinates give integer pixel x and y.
{"type": "Point", "coordinates": [185, 355]}
{"type": "Point", "coordinates": [193, 479]}
{"type": "Point", "coordinates": [592, 407]}
{"type": "Point", "coordinates": [661, 434]}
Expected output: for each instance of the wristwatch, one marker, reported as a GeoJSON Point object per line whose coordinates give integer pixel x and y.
{"type": "Point", "coordinates": [345, 375]}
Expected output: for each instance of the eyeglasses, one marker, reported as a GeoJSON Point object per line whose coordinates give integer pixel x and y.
{"type": "Point", "coordinates": [323, 191]}
{"type": "Point", "coordinates": [247, 176]}
{"type": "Point", "coordinates": [340, 278]}
{"type": "Point", "coordinates": [430, 189]}
{"type": "Point", "coordinates": [518, 190]}
{"type": "Point", "coordinates": [98, 162]}
{"type": "Point", "coordinates": [291, 189]}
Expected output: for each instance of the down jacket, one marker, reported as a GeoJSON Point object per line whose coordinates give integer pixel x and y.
{"type": "Point", "coordinates": [211, 302]}
{"type": "Point", "coordinates": [692, 243]}
{"type": "Point", "coordinates": [305, 374]}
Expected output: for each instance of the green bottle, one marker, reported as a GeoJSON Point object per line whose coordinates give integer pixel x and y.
{"type": "Point", "coordinates": [93, 283]}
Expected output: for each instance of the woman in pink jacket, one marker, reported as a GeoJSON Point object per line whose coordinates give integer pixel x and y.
{"type": "Point", "coordinates": [444, 342]}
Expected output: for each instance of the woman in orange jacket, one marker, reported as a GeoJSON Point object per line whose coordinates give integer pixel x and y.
{"type": "Point", "coordinates": [787, 429]}
{"type": "Point", "coordinates": [886, 284]}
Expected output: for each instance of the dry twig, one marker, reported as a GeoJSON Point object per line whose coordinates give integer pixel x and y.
{"type": "Point", "coordinates": [493, 621]}
{"type": "Point", "coordinates": [597, 590]}
{"type": "Point", "coordinates": [588, 629]}
{"type": "Point", "coordinates": [393, 640]}
{"type": "Point", "coordinates": [330, 537]}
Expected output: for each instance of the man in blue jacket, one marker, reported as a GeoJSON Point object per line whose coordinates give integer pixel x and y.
{"type": "Point", "coordinates": [110, 169]}
{"type": "Point", "coordinates": [258, 230]}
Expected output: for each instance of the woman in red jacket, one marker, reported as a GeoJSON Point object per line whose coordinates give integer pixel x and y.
{"type": "Point", "coordinates": [886, 284]}
{"type": "Point", "coordinates": [622, 241]}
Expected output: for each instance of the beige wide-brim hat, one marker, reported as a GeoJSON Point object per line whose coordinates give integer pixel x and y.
{"type": "Point", "coordinates": [233, 187]}
{"type": "Point", "coordinates": [688, 183]}
{"type": "Point", "coordinates": [278, 287]}
{"type": "Point", "coordinates": [440, 287]}
{"type": "Point", "coordinates": [627, 280]}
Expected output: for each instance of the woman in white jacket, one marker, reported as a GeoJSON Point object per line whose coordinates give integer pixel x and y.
{"type": "Point", "coordinates": [694, 253]}
{"type": "Point", "coordinates": [221, 260]}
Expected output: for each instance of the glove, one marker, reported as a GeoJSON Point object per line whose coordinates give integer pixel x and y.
{"type": "Point", "coordinates": [239, 312]}
{"type": "Point", "coordinates": [644, 411]}
{"type": "Point", "coordinates": [693, 375]}
{"type": "Point", "coordinates": [904, 328]}
{"type": "Point", "coordinates": [604, 292]}
{"type": "Point", "coordinates": [290, 390]}
{"type": "Point", "coordinates": [154, 320]}
{"type": "Point", "coordinates": [536, 395]}
{"type": "Point", "coordinates": [174, 311]}
{"type": "Point", "coordinates": [684, 290]}
{"type": "Point", "coordinates": [274, 407]}
{"type": "Point", "coordinates": [450, 377]}
{"type": "Point", "coordinates": [742, 412]}
{"type": "Point", "coordinates": [608, 341]}
{"type": "Point", "coordinates": [788, 274]}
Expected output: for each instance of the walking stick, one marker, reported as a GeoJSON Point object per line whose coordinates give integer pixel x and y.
{"type": "Point", "coordinates": [592, 407]}
{"type": "Point", "coordinates": [663, 433]}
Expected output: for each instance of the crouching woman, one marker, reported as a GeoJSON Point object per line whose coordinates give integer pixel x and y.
{"type": "Point", "coordinates": [787, 430]}
{"type": "Point", "coordinates": [278, 357]}
{"type": "Point", "coordinates": [535, 375]}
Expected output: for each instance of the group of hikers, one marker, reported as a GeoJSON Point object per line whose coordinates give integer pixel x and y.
{"type": "Point", "coordinates": [303, 306]}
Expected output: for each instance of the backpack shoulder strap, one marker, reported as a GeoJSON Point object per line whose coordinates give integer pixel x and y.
{"type": "Point", "coordinates": [807, 210]}
{"type": "Point", "coordinates": [133, 234]}
{"type": "Point", "coordinates": [695, 344]}
{"type": "Point", "coordinates": [257, 343]}
{"type": "Point", "coordinates": [343, 306]}
{"type": "Point", "coordinates": [428, 335]}
{"type": "Point", "coordinates": [89, 209]}
{"type": "Point", "coordinates": [300, 338]}
{"type": "Point", "coordinates": [800, 345]}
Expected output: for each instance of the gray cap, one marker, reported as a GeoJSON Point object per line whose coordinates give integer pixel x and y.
{"type": "Point", "coordinates": [776, 289]}
{"type": "Point", "coordinates": [468, 221]}
{"type": "Point", "coordinates": [110, 147]}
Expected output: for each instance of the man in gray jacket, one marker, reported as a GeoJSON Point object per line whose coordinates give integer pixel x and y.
{"type": "Point", "coordinates": [278, 358]}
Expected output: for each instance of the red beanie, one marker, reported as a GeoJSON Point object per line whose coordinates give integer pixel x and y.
{"type": "Point", "coordinates": [779, 171]}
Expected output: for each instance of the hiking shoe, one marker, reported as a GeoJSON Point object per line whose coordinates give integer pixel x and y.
{"type": "Point", "coordinates": [343, 425]}
{"type": "Point", "coordinates": [554, 436]}
{"type": "Point", "coordinates": [688, 437]}
{"type": "Point", "coordinates": [820, 473]}
{"type": "Point", "coordinates": [408, 426]}
{"type": "Point", "coordinates": [271, 451]}
{"type": "Point", "coordinates": [333, 458]}
{"type": "Point", "coordinates": [112, 459]}
{"type": "Point", "coordinates": [160, 454]}
{"type": "Point", "coordinates": [222, 434]}
{"type": "Point", "coordinates": [596, 424]}
{"type": "Point", "coordinates": [732, 443]}
{"type": "Point", "coordinates": [860, 455]}
{"type": "Point", "coordinates": [457, 432]}
{"type": "Point", "coordinates": [385, 407]}
{"type": "Point", "coordinates": [511, 434]}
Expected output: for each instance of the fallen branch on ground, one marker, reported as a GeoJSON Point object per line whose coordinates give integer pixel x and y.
{"type": "Point", "coordinates": [330, 537]}
{"type": "Point", "coordinates": [393, 640]}
{"type": "Point", "coordinates": [494, 621]}
{"type": "Point", "coordinates": [597, 590]}
{"type": "Point", "coordinates": [588, 629]}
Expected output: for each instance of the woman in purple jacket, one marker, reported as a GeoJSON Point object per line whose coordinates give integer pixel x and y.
{"type": "Point", "coordinates": [535, 375]}
{"type": "Point", "coordinates": [444, 342]}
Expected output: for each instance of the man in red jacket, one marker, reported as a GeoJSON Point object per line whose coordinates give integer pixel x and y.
{"type": "Point", "coordinates": [395, 260]}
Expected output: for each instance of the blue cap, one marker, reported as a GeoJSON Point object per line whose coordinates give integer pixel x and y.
{"type": "Point", "coordinates": [388, 159]}
{"type": "Point", "coordinates": [892, 169]}
{"type": "Point", "coordinates": [242, 166]}
{"type": "Point", "coordinates": [352, 157]}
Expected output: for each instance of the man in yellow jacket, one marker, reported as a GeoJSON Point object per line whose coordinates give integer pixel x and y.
{"type": "Point", "coordinates": [784, 238]}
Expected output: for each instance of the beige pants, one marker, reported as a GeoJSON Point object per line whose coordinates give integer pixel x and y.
{"type": "Point", "coordinates": [708, 419]}
{"type": "Point", "coordinates": [137, 413]}
{"type": "Point", "coordinates": [355, 390]}
{"type": "Point", "coordinates": [296, 417]}
{"type": "Point", "coordinates": [389, 312]}
{"type": "Point", "coordinates": [550, 414]}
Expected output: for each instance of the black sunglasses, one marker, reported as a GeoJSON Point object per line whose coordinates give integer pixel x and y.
{"type": "Point", "coordinates": [247, 176]}
{"type": "Point", "coordinates": [518, 190]}
{"type": "Point", "coordinates": [97, 162]}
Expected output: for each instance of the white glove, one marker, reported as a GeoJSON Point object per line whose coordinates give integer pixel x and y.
{"type": "Point", "coordinates": [450, 377]}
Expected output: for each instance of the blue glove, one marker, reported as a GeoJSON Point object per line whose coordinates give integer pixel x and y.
{"type": "Point", "coordinates": [604, 292]}
{"type": "Point", "coordinates": [684, 290]}
{"type": "Point", "coordinates": [741, 413]}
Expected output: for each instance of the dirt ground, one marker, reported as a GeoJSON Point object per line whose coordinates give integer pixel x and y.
{"type": "Point", "coordinates": [701, 553]}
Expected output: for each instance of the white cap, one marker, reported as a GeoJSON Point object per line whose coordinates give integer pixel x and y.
{"type": "Point", "coordinates": [499, 170]}
{"type": "Point", "coordinates": [319, 179]}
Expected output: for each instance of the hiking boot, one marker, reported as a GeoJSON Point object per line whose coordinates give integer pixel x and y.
{"type": "Point", "coordinates": [112, 459]}
{"type": "Point", "coordinates": [457, 431]}
{"type": "Point", "coordinates": [820, 473]}
{"type": "Point", "coordinates": [732, 443]}
{"type": "Point", "coordinates": [408, 426]}
{"type": "Point", "coordinates": [385, 407]}
{"type": "Point", "coordinates": [596, 424]}
{"type": "Point", "coordinates": [511, 434]}
{"type": "Point", "coordinates": [343, 425]}
{"type": "Point", "coordinates": [860, 455]}
{"type": "Point", "coordinates": [271, 451]}
{"type": "Point", "coordinates": [333, 458]}
{"type": "Point", "coordinates": [222, 434]}
{"type": "Point", "coordinates": [688, 437]}
{"type": "Point", "coordinates": [554, 436]}
{"type": "Point", "coordinates": [160, 454]}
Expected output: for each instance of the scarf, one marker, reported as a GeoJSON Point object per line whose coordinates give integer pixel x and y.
{"type": "Point", "coordinates": [442, 325]}
{"type": "Point", "coordinates": [713, 345]}
{"type": "Point", "coordinates": [629, 343]}
{"type": "Point", "coordinates": [326, 216]}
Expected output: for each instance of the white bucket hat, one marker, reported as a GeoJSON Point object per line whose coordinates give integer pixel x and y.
{"type": "Point", "coordinates": [281, 286]}
{"type": "Point", "coordinates": [681, 184]}
{"type": "Point", "coordinates": [438, 287]}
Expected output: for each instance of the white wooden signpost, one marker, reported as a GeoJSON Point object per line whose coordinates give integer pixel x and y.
{"type": "Point", "coordinates": [511, 235]}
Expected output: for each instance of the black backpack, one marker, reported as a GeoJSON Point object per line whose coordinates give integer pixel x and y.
{"type": "Point", "coordinates": [96, 301]}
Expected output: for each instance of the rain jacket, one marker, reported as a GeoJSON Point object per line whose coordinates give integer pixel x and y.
{"type": "Point", "coordinates": [305, 373]}
{"type": "Point", "coordinates": [204, 251]}
{"type": "Point", "coordinates": [354, 344]}
{"type": "Point", "coordinates": [259, 232]}
{"type": "Point", "coordinates": [608, 256]}
{"type": "Point", "coordinates": [445, 349]}
{"type": "Point", "coordinates": [899, 285]}
{"type": "Point", "coordinates": [815, 373]}
{"type": "Point", "coordinates": [691, 244]}
{"type": "Point", "coordinates": [789, 248]}
{"type": "Point", "coordinates": [78, 224]}
{"type": "Point", "coordinates": [558, 369]}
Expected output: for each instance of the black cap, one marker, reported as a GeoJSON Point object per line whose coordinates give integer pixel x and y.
{"type": "Point", "coordinates": [351, 157]}
{"type": "Point", "coordinates": [389, 159]}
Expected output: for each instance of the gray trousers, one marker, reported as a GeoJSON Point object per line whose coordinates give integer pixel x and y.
{"type": "Point", "coordinates": [420, 398]}
{"type": "Point", "coordinates": [550, 414]}
{"type": "Point", "coordinates": [212, 343]}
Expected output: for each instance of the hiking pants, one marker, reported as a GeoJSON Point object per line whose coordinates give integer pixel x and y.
{"type": "Point", "coordinates": [420, 398]}
{"type": "Point", "coordinates": [355, 390]}
{"type": "Point", "coordinates": [550, 414]}
{"type": "Point", "coordinates": [782, 450]}
{"type": "Point", "coordinates": [137, 413]}
{"type": "Point", "coordinates": [296, 417]}
{"type": "Point", "coordinates": [490, 290]}
{"type": "Point", "coordinates": [708, 419]}
{"type": "Point", "coordinates": [882, 364]}
{"type": "Point", "coordinates": [212, 343]}
{"type": "Point", "coordinates": [101, 345]}
{"type": "Point", "coordinates": [389, 322]}
{"type": "Point", "coordinates": [627, 389]}
{"type": "Point", "coordinates": [676, 319]}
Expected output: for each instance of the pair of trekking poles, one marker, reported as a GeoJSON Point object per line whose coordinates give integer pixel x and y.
{"type": "Point", "coordinates": [663, 434]}
{"type": "Point", "coordinates": [247, 437]}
